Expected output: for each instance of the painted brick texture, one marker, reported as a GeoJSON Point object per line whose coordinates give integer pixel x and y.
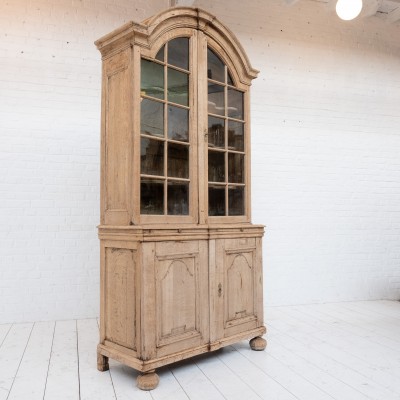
{"type": "Point", "coordinates": [326, 146]}
{"type": "Point", "coordinates": [325, 161]}
{"type": "Point", "coordinates": [49, 153]}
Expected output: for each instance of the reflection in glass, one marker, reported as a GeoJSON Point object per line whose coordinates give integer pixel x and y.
{"type": "Point", "coordinates": [216, 200]}
{"type": "Point", "coordinates": [216, 166]}
{"type": "Point", "coordinates": [235, 104]}
{"type": "Point", "coordinates": [151, 157]}
{"type": "Point", "coordinates": [178, 87]}
{"type": "Point", "coordinates": [235, 168]}
{"type": "Point", "coordinates": [178, 52]}
{"type": "Point", "coordinates": [236, 135]}
{"type": "Point", "coordinates": [216, 99]}
{"type": "Point", "coordinates": [216, 132]}
{"type": "Point", "coordinates": [152, 79]}
{"type": "Point", "coordinates": [151, 196]}
{"type": "Point", "coordinates": [160, 54]}
{"type": "Point", "coordinates": [215, 67]}
{"type": "Point", "coordinates": [178, 124]}
{"type": "Point", "coordinates": [236, 200]}
{"type": "Point", "coordinates": [151, 117]}
{"type": "Point", "coordinates": [178, 160]}
{"type": "Point", "coordinates": [178, 198]}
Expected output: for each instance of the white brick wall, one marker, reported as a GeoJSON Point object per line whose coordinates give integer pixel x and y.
{"type": "Point", "coordinates": [326, 170]}
{"type": "Point", "coordinates": [326, 154]}
{"type": "Point", "coordinates": [50, 74]}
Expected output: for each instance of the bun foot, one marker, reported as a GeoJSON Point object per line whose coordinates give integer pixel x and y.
{"type": "Point", "coordinates": [102, 363]}
{"type": "Point", "coordinates": [258, 343]}
{"type": "Point", "coordinates": [147, 381]}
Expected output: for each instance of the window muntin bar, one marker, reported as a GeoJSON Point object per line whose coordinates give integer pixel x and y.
{"type": "Point", "coordinates": [165, 137]}
{"type": "Point", "coordinates": [226, 141]}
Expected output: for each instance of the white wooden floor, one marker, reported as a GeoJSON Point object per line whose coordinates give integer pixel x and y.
{"type": "Point", "coordinates": [343, 351]}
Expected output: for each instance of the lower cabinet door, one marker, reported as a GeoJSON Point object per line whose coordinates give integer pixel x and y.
{"type": "Point", "coordinates": [181, 301]}
{"type": "Point", "coordinates": [235, 287]}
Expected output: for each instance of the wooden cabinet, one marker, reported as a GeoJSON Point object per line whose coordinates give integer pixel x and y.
{"type": "Point", "coordinates": [181, 268]}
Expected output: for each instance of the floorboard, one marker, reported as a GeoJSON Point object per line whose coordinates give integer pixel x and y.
{"type": "Point", "coordinates": [228, 383]}
{"type": "Point", "coordinates": [336, 351]}
{"type": "Point", "coordinates": [124, 381]}
{"type": "Point", "coordinates": [11, 353]}
{"type": "Point", "coordinates": [293, 381]}
{"type": "Point", "coordinates": [194, 382]}
{"type": "Point", "coordinates": [341, 359]}
{"type": "Point", "coordinates": [93, 384]}
{"type": "Point", "coordinates": [4, 329]}
{"type": "Point", "coordinates": [30, 380]}
{"type": "Point", "coordinates": [253, 376]}
{"type": "Point", "coordinates": [168, 388]}
{"type": "Point", "coordinates": [62, 378]}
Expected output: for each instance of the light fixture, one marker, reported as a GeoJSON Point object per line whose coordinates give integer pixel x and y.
{"type": "Point", "coordinates": [348, 9]}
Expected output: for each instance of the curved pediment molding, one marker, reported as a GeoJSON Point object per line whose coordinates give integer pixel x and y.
{"type": "Point", "coordinates": [156, 29]}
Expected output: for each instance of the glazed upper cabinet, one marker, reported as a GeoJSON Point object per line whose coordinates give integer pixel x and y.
{"type": "Point", "coordinates": [181, 269]}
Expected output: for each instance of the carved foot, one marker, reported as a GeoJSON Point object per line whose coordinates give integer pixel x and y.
{"type": "Point", "coordinates": [148, 380]}
{"type": "Point", "coordinates": [258, 343]}
{"type": "Point", "coordinates": [102, 363]}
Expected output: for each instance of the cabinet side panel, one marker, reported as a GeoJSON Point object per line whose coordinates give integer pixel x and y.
{"type": "Point", "coordinates": [120, 296]}
{"type": "Point", "coordinates": [118, 141]}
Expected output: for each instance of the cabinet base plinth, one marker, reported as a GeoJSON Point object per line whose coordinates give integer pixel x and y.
{"type": "Point", "coordinates": [102, 363]}
{"type": "Point", "coordinates": [147, 381]}
{"type": "Point", "coordinates": [258, 343]}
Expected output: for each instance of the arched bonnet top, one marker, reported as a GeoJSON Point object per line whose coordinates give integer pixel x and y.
{"type": "Point", "coordinates": [152, 29]}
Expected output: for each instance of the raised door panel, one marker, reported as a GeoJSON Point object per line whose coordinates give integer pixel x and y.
{"type": "Point", "coordinates": [239, 302]}
{"type": "Point", "coordinates": [181, 276]}
{"type": "Point", "coordinates": [237, 288]}
{"type": "Point", "coordinates": [119, 287]}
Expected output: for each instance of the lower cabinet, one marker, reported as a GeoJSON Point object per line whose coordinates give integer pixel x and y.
{"type": "Point", "coordinates": [164, 300]}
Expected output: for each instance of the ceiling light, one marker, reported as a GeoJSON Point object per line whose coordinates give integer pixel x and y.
{"type": "Point", "coordinates": [348, 9]}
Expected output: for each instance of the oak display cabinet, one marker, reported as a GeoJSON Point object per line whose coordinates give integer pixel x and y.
{"type": "Point", "coordinates": [181, 268]}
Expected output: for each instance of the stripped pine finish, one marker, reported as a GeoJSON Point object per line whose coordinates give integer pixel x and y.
{"type": "Point", "coordinates": [341, 351]}
{"type": "Point", "coordinates": [180, 260]}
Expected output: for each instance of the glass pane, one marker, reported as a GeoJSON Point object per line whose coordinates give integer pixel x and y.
{"type": "Point", "coordinates": [151, 157]}
{"type": "Point", "coordinates": [152, 79]}
{"type": "Point", "coordinates": [151, 117]}
{"type": "Point", "coordinates": [236, 200]}
{"type": "Point", "coordinates": [178, 160]}
{"type": "Point", "coordinates": [216, 166]}
{"type": "Point", "coordinates": [215, 67]}
{"type": "Point", "coordinates": [178, 198]}
{"type": "Point", "coordinates": [151, 196]}
{"type": "Point", "coordinates": [160, 54]}
{"type": "Point", "coordinates": [235, 104]}
{"type": "Point", "coordinates": [235, 168]}
{"type": "Point", "coordinates": [216, 132]}
{"type": "Point", "coordinates": [216, 99]}
{"type": "Point", "coordinates": [178, 52]}
{"type": "Point", "coordinates": [178, 87]}
{"type": "Point", "coordinates": [216, 200]}
{"type": "Point", "coordinates": [178, 124]}
{"type": "Point", "coordinates": [230, 80]}
{"type": "Point", "coordinates": [236, 135]}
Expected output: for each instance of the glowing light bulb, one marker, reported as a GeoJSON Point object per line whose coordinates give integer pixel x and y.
{"type": "Point", "coordinates": [348, 9]}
